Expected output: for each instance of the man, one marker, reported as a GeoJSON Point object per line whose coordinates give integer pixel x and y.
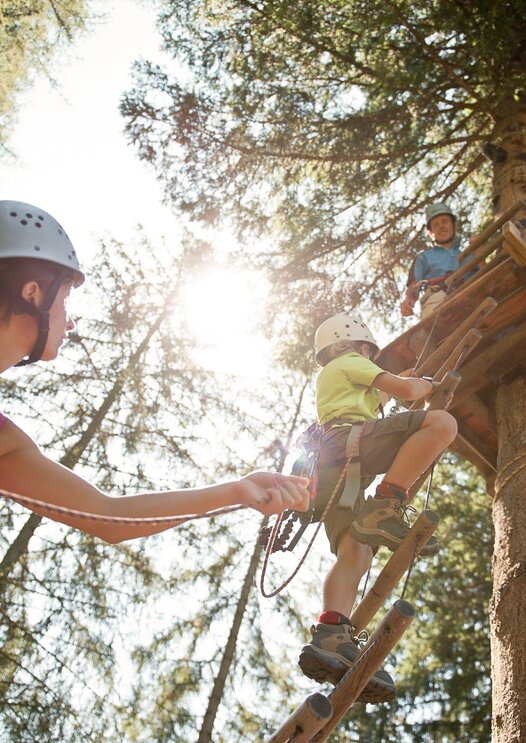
{"type": "Point", "coordinates": [431, 266]}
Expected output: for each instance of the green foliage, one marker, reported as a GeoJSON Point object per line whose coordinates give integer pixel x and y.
{"type": "Point", "coordinates": [31, 33]}
{"type": "Point", "coordinates": [326, 126]}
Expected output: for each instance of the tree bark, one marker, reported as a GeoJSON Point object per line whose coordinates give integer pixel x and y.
{"type": "Point", "coordinates": [205, 734]}
{"type": "Point", "coordinates": [508, 603]}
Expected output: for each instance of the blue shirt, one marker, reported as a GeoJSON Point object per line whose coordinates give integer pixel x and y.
{"type": "Point", "coordinates": [435, 262]}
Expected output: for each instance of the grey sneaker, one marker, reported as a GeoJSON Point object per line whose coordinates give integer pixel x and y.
{"type": "Point", "coordinates": [331, 653]}
{"type": "Point", "coordinates": [384, 521]}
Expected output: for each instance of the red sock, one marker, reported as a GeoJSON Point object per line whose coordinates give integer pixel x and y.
{"type": "Point", "coordinates": [333, 617]}
{"type": "Point", "coordinates": [388, 489]}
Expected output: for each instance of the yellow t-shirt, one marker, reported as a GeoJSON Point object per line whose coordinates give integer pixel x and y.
{"type": "Point", "coordinates": [343, 389]}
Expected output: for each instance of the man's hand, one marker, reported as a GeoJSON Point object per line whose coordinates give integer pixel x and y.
{"type": "Point", "coordinates": [407, 307]}
{"type": "Point", "coordinates": [269, 492]}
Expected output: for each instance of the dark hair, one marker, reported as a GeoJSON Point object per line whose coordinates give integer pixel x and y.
{"type": "Point", "coordinates": [15, 272]}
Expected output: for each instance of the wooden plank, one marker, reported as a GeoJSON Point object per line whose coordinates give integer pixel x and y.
{"type": "Point", "coordinates": [463, 447]}
{"type": "Point", "coordinates": [514, 243]}
{"type": "Point", "coordinates": [480, 239]}
{"type": "Point", "coordinates": [367, 663]}
{"type": "Point", "coordinates": [484, 451]}
{"type": "Point", "coordinates": [393, 570]}
{"type": "Point", "coordinates": [305, 721]}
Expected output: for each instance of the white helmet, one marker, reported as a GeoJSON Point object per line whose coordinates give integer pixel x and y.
{"type": "Point", "coordinates": [343, 327]}
{"type": "Point", "coordinates": [29, 232]}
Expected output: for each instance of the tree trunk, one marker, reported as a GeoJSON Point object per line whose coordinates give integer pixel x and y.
{"type": "Point", "coordinates": [205, 734]}
{"type": "Point", "coordinates": [508, 604]}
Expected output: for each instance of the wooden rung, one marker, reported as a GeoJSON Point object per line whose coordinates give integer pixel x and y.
{"type": "Point", "coordinates": [393, 570]}
{"type": "Point", "coordinates": [305, 721]}
{"type": "Point", "coordinates": [437, 358]}
{"type": "Point", "coordinates": [461, 351]}
{"type": "Point", "coordinates": [443, 394]}
{"type": "Point", "coordinates": [514, 243]}
{"type": "Point", "coordinates": [371, 657]}
{"type": "Point", "coordinates": [479, 240]}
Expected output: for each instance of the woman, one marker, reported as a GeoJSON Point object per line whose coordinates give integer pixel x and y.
{"type": "Point", "coordinates": [38, 270]}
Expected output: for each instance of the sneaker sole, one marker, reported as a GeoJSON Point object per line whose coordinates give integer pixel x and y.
{"type": "Point", "coordinates": [324, 665]}
{"type": "Point", "coordinates": [381, 538]}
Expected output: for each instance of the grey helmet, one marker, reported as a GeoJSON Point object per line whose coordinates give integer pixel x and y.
{"type": "Point", "coordinates": [434, 210]}
{"type": "Point", "coordinates": [29, 232]}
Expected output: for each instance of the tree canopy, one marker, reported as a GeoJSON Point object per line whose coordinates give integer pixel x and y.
{"type": "Point", "coordinates": [327, 126]}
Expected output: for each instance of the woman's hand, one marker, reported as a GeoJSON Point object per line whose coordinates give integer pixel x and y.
{"type": "Point", "coordinates": [269, 492]}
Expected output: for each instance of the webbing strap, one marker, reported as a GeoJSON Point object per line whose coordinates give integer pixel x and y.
{"type": "Point", "coordinates": [353, 476]}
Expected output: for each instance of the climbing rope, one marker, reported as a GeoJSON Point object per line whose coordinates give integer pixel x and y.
{"type": "Point", "coordinates": [270, 544]}
{"type": "Point", "coordinates": [175, 520]}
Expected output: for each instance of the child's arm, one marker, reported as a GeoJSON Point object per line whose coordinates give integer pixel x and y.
{"type": "Point", "coordinates": [405, 388]}
{"type": "Point", "coordinates": [25, 470]}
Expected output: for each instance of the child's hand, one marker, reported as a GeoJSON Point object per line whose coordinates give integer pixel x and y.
{"type": "Point", "coordinates": [407, 308]}
{"type": "Point", "coordinates": [407, 373]}
{"type": "Point", "coordinates": [270, 493]}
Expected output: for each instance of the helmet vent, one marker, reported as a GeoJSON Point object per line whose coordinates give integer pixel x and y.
{"type": "Point", "coordinates": [23, 221]}
{"type": "Point", "coordinates": [12, 214]}
{"type": "Point", "coordinates": [37, 247]}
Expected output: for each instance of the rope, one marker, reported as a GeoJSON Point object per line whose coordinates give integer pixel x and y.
{"type": "Point", "coordinates": [432, 330]}
{"type": "Point", "coordinates": [175, 520]}
{"type": "Point", "coordinates": [275, 528]}
{"type": "Point", "coordinates": [500, 485]}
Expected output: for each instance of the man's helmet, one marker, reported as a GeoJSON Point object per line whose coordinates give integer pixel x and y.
{"type": "Point", "coordinates": [434, 210]}
{"type": "Point", "coordinates": [343, 327]}
{"type": "Point", "coordinates": [29, 232]}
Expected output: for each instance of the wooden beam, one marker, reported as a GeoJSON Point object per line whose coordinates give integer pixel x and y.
{"type": "Point", "coordinates": [480, 239]}
{"type": "Point", "coordinates": [463, 447]}
{"type": "Point", "coordinates": [514, 243]}
{"type": "Point", "coordinates": [434, 360]}
{"type": "Point", "coordinates": [305, 721]}
{"type": "Point", "coordinates": [497, 358]}
{"type": "Point", "coordinates": [478, 256]}
{"type": "Point", "coordinates": [367, 663]}
{"type": "Point", "coordinates": [393, 570]}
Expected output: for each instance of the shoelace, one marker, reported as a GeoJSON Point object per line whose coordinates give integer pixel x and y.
{"type": "Point", "coordinates": [403, 509]}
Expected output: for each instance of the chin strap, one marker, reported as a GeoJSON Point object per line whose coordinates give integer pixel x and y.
{"type": "Point", "coordinates": [40, 313]}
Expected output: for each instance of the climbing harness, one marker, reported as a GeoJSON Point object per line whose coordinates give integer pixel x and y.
{"type": "Point", "coordinates": [270, 536]}
{"type": "Point", "coordinates": [175, 520]}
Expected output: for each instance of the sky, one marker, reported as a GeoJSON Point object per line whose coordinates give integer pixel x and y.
{"type": "Point", "coordinates": [70, 157]}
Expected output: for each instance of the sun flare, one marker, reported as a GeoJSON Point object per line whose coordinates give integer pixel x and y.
{"type": "Point", "coordinates": [224, 312]}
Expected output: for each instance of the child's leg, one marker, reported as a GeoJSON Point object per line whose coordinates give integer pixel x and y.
{"type": "Point", "coordinates": [439, 429]}
{"type": "Point", "coordinates": [341, 584]}
{"type": "Point", "coordinates": [333, 648]}
{"type": "Point", "coordinates": [382, 520]}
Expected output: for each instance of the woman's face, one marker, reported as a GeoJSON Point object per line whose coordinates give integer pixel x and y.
{"type": "Point", "coordinates": [60, 324]}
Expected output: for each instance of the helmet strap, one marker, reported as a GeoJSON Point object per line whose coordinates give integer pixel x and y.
{"type": "Point", "coordinates": [40, 313]}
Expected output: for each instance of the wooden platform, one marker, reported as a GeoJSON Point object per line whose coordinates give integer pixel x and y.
{"type": "Point", "coordinates": [501, 353]}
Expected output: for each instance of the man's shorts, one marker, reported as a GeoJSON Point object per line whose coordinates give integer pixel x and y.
{"type": "Point", "coordinates": [379, 446]}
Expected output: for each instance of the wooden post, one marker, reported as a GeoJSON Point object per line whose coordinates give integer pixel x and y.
{"type": "Point", "coordinates": [367, 663]}
{"type": "Point", "coordinates": [434, 360]}
{"type": "Point", "coordinates": [478, 256]}
{"type": "Point", "coordinates": [478, 240]}
{"type": "Point", "coordinates": [393, 570]}
{"type": "Point", "coordinates": [305, 721]}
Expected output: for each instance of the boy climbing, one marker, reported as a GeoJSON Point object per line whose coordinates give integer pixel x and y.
{"type": "Point", "coordinates": [349, 392]}
{"type": "Point", "coordinates": [431, 266]}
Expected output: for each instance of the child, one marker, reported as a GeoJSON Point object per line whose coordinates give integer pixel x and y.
{"type": "Point", "coordinates": [38, 269]}
{"type": "Point", "coordinates": [349, 393]}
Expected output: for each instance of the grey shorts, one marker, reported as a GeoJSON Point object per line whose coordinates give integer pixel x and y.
{"type": "Point", "coordinates": [379, 446]}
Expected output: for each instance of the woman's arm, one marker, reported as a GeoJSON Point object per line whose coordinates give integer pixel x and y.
{"type": "Point", "coordinates": [25, 470]}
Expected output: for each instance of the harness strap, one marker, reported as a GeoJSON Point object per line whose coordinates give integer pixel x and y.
{"type": "Point", "coordinates": [353, 475]}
